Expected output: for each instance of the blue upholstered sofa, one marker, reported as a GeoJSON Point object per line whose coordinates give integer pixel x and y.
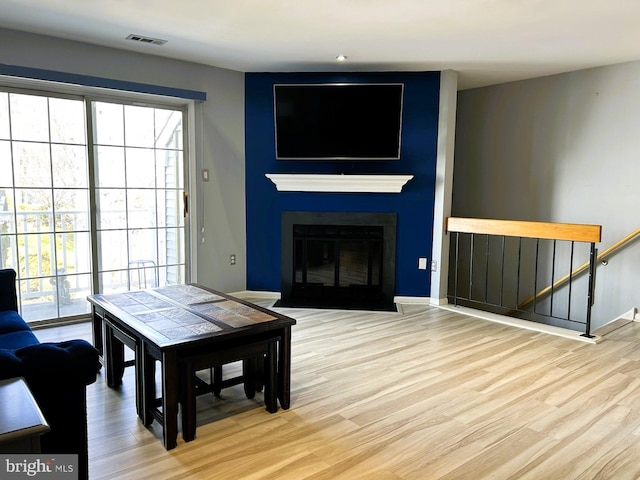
{"type": "Point", "coordinates": [57, 375]}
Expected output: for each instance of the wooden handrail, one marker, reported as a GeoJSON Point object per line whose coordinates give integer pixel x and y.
{"type": "Point", "coordinates": [601, 256]}
{"type": "Point", "coordinates": [515, 228]}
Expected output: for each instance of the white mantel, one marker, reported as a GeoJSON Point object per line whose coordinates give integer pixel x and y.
{"type": "Point", "coordinates": [314, 182]}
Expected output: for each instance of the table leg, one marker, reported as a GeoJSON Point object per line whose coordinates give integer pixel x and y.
{"type": "Point", "coordinates": [113, 356]}
{"type": "Point", "coordinates": [216, 380]}
{"type": "Point", "coordinates": [284, 368]}
{"type": "Point", "coordinates": [249, 373]}
{"type": "Point", "coordinates": [170, 393]}
{"type": "Point", "coordinates": [96, 330]}
{"type": "Point", "coordinates": [270, 393]}
{"type": "Point", "coordinates": [188, 400]}
{"type": "Point", "coordinates": [148, 383]}
{"type": "Point", "coordinates": [139, 373]}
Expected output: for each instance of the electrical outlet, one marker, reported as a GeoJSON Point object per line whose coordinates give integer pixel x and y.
{"type": "Point", "coordinates": [205, 174]}
{"type": "Point", "coordinates": [434, 266]}
{"type": "Point", "coordinates": [232, 259]}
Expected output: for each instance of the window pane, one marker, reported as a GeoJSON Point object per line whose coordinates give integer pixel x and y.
{"type": "Point", "coordinates": [29, 117]}
{"type": "Point", "coordinates": [31, 164]}
{"type": "Point", "coordinates": [4, 116]}
{"type": "Point", "coordinates": [168, 129]}
{"type": "Point", "coordinates": [36, 255]}
{"type": "Point", "coordinates": [112, 250]}
{"type": "Point", "coordinates": [67, 121]}
{"type": "Point", "coordinates": [34, 210]}
{"type": "Point", "coordinates": [7, 218]}
{"type": "Point", "coordinates": [142, 247]}
{"type": "Point", "coordinates": [6, 178]}
{"type": "Point", "coordinates": [171, 275]}
{"type": "Point", "coordinates": [171, 249]}
{"type": "Point", "coordinates": [114, 281]}
{"type": "Point", "coordinates": [170, 171]}
{"type": "Point", "coordinates": [72, 210]}
{"type": "Point", "coordinates": [37, 299]}
{"type": "Point", "coordinates": [139, 126]}
{"type": "Point", "coordinates": [72, 253]}
{"type": "Point", "coordinates": [72, 295]}
{"type": "Point", "coordinates": [8, 250]}
{"type": "Point", "coordinates": [140, 168]}
{"type": "Point", "coordinates": [141, 208]}
{"type": "Point", "coordinates": [170, 208]}
{"type": "Point", "coordinates": [109, 169]}
{"type": "Point", "coordinates": [111, 209]}
{"type": "Point", "coordinates": [143, 274]}
{"type": "Point", "coordinates": [69, 165]}
{"type": "Point", "coordinates": [109, 123]}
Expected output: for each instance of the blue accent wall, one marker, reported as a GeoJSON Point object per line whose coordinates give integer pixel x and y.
{"type": "Point", "coordinates": [414, 205]}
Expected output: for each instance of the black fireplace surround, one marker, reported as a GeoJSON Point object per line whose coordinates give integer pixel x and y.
{"type": "Point", "coordinates": [343, 260]}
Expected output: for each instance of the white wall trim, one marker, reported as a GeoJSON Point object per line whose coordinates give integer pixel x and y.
{"type": "Point", "coordinates": [312, 182]}
{"type": "Point", "coordinates": [444, 181]}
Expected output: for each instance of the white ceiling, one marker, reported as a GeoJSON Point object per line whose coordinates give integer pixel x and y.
{"type": "Point", "coordinates": [486, 41]}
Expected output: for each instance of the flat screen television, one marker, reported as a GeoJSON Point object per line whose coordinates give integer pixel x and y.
{"type": "Point", "coordinates": [338, 121]}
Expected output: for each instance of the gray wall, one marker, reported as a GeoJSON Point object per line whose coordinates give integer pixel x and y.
{"type": "Point", "coordinates": [222, 200]}
{"type": "Point", "coordinates": [563, 148]}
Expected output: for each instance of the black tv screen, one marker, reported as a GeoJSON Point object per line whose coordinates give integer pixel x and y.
{"type": "Point", "coordinates": [338, 121]}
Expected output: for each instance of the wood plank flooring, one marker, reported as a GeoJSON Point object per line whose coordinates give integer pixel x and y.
{"type": "Point", "coordinates": [423, 394]}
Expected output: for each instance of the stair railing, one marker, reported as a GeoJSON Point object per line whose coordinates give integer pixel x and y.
{"type": "Point", "coordinates": [601, 257]}
{"type": "Point", "coordinates": [496, 263]}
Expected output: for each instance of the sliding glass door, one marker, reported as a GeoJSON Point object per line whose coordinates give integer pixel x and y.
{"type": "Point", "coordinates": [91, 199]}
{"type": "Point", "coordinates": [139, 196]}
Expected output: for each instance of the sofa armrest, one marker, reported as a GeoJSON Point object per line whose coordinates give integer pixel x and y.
{"type": "Point", "coordinates": [8, 298]}
{"type": "Point", "coordinates": [73, 361]}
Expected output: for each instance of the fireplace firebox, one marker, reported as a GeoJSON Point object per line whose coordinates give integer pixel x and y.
{"type": "Point", "coordinates": [338, 260]}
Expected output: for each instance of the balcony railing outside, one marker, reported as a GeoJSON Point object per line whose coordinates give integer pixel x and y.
{"type": "Point", "coordinates": [54, 268]}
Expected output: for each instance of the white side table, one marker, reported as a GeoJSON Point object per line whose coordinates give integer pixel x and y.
{"type": "Point", "coordinates": [21, 421]}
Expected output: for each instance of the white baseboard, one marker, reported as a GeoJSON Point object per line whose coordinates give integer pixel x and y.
{"type": "Point", "coordinates": [257, 294]}
{"type": "Point", "coordinates": [619, 322]}
{"type": "Point", "coordinates": [397, 300]}
{"type": "Point", "coordinates": [412, 300]}
{"type": "Point", "coordinates": [524, 324]}
{"type": "Point", "coordinates": [440, 301]}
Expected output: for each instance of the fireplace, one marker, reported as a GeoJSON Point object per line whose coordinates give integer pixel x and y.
{"type": "Point", "coordinates": [338, 260]}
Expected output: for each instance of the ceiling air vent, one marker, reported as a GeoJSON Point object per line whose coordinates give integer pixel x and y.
{"type": "Point", "coordinates": [142, 39]}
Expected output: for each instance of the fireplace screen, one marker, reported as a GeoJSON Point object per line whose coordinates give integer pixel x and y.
{"type": "Point", "coordinates": [337, 256]}
{"type": "Point", "coordinates": [338, 260]}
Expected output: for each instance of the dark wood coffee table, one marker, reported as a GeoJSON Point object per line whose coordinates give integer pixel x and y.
{"type": "Point", "coordinates": [173, 323]}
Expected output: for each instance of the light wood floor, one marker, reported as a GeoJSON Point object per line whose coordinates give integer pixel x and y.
{"type": "Point", "coordinates": [426, 394]}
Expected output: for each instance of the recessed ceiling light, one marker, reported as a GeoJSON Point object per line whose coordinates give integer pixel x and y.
{"type": "Point", "coordinates": [341, 58]}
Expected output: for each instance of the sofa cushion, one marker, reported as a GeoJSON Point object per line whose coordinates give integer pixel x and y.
{"type": "Point", "coordinates": [16, 340]}
{"type": "Point", "coordinates": [10, 321]}
{"type": "Point", "coordinates": [77, 360]}
{"type": "Point", "coordinates": [15, 332]}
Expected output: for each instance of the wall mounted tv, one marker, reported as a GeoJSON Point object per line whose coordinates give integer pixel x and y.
{"type": "Point", "coordinates": [338, 121]}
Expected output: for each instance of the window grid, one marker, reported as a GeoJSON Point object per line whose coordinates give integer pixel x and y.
{"type": "Point", "coordinates": [48, 219]}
